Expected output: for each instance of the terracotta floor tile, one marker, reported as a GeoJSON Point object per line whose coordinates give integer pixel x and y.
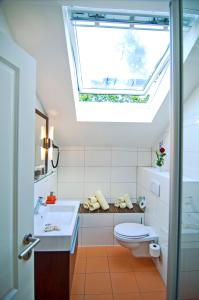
{"type": "Point", "coordinates": [77, 297]}
{"type": "Point", "coordinates": [97, 265]}
{"type": "Point", "coordinates": [143, 264]}
{"type": "Point", "coordinates": [78, 284]}
{"type": "Point", "coordinates": [131, 296]}
{"type": "Point", "coordinates": [118, 251]}
{"type": "Point", "coordinates": [98, 297]}
{"type": "Point", "coordinates": [96, 251]}
{"type": "Point", "coordinates": [154, 296]}
{"type": "Point", "coordinates": [97, 284]}
{"type": "Point", "coordinates": [80, 266]}
{"type": "Point", "coordinates": [81, 252]}
{"type": "Point", "coordinates": [149, 281]}
{"type": "Point", "coordinates": [124, 283]}
{"type": "Point", "coordinates": [120, 264]}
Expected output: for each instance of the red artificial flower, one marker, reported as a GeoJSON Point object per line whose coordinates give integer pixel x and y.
{"type": "Point", "coordinates": [162, 150]}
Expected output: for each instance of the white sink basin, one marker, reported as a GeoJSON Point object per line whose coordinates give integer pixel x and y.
{"type": "Point", "coordinates": [62, 215]}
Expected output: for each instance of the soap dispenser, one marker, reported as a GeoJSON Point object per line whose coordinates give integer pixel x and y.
{"type": "Point", "coordinates": [51, 199]}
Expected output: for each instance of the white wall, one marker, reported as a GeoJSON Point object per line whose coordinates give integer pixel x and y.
{"type": "Point", "coordinates": [191, 134]}
{"type": "Point", "coordinates": [82, 170]}
{"type": "Point", "coordinates": [3, 24]}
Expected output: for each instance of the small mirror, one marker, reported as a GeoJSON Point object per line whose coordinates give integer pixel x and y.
{"type": "Point", "coordinates": [41, 163]}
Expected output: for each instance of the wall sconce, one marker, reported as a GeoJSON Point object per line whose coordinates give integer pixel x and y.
{"type": "Point", "coordinates": [48, 145]}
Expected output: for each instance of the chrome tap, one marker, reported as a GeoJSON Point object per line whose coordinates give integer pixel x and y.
{"type": "Point", "coordinates": [38, 204]}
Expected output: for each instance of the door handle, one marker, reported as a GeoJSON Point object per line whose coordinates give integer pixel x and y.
{"type": "Point", "coordinates": [27, 251]}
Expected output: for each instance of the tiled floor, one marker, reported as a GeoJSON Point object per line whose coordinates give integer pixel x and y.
{"type": "Point", "coordinates": [112, 273]}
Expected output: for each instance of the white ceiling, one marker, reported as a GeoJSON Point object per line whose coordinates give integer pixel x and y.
{"type": "Point", "coordinates": [38, 27]}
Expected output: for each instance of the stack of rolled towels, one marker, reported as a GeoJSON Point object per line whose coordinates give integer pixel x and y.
{"type": "Point", "coordinates": [96, 201]}
{"type": "Point", "coordinates": [123, 202]}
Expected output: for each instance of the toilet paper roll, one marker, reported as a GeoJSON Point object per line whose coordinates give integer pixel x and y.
{"type": "Point", "coordinates": [154, 250]}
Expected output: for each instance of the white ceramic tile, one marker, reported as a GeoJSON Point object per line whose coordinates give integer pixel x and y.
{"type": "Point", "coordinates": [97, 220]}
{"type": "Point", "coordinates": [128, 218]}
{"type": "Point", "coordinates": [190, 220]}
{"type": "Point", "coordinates": [118, 189]}
{"type": "Point", "coordinates": [71, 148]}
{"type": "Point", "coordinates": [130, 149]}
{"type": "Point", "coordinates": [189, 259]}
{"type": "Point", "coordinates": [191, 143]}
{"type": "Point", "coordinates": [144, 159]}
{"type": "Point", "coordinates": [71, 190]}
{"type": "Point", "coordinates": [124, 158]}
{"type": "Point", "coordinates": [92, 187]}
{"type": "Point", "coordinates": [98, 148]}
{"type": "Point", "coordinates": [43, 187]}
{"type": "Point", "coordinates": [98, 158]}
{"type": "Point", "coordinates": [71, 158]}
{"type": "Point", "coordinates": [188, 286]}
{"type": "Point", "coordinates": [71, 174]}
{"type": "Point", "coordinates": [97, 236]}
{"type": "Point", "coordinates": [123, 174]}
{"type": "Point", "coordinates": [97, 174]}
{"type": "Point", "coordinates": [144, 149]}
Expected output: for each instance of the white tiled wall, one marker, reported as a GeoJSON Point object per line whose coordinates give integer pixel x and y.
{"type": "Point", "coordinates": [43, 187]}
{"type": "Point", "coordinates": [82, 170]}
{"type": "Point", "coordinates": [97, 229]}
{"type": "Point", "coordinates": [157, 210]}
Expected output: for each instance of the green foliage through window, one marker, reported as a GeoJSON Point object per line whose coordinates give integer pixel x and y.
{"type": "Point", "coordinates": [112, 98]}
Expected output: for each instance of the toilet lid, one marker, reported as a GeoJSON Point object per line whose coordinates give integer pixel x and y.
{"type": "Point", "coordinates": [131, 230]}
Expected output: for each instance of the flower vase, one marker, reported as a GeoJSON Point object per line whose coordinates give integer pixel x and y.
{"type": "Point", "coordinates": [159, 168]}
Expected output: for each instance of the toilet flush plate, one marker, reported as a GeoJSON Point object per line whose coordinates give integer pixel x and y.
{"type": "Point", "coordinates": [155, 188]}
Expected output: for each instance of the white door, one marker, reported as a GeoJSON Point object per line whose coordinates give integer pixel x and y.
{"type": "Point", "coordinates": [17, 104]}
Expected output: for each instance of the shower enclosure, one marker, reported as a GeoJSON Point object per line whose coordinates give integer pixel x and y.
{"type": "Point", "coordinates": [183, 266]}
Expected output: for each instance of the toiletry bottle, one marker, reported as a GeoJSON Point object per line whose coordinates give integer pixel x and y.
{"type": "Point", "coordinates": [51, 199]}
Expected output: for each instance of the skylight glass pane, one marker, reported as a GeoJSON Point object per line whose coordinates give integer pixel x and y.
{"type": "Point", "coordinates": [118, 58]}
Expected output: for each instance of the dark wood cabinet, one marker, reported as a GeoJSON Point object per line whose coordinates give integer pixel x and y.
{"type": "Point", "coordinates": [54, 273]}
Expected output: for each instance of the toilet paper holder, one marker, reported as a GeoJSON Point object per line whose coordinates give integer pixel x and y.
{"type": "Point", "coordinates": [154, 249]}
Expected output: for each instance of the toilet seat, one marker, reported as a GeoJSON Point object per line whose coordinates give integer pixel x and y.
{"type": "Point", "coordinates": [130, 231]}
{"type": "Point", "coordinates": [135, 237]}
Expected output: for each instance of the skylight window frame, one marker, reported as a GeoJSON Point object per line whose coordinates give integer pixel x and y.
{"type": "Point", "coordinates": [75, 51]}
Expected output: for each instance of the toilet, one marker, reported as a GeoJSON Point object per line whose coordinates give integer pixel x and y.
{"type": "Point", "coordinates": [136, 237]}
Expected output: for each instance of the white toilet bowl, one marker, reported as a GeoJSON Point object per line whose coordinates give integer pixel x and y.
{"type": "Point", "coordinates": [136, 237]}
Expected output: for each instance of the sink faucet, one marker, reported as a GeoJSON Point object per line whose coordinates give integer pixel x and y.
{"type": "Point", "coordinates": [38, 204]}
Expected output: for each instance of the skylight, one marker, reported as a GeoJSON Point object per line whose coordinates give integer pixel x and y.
{"type": "Point", "coordinates": [118, 60]}
{"type": "Point", "coordinates": [118, 53]}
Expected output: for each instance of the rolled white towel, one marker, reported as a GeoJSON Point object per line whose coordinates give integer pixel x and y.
{"type": "Point", "coordinates": [128, 201]}
{"type": "Point", "coordinates": [94, 206]}
{"type": "Point", "coordinates": [92, 199]}
{"type": "Point", "coordinates": [86, 204]}
{"type": "Point", "coordinates": [121, 199]}
{"type": "Point", "coordinates": [117, 203]}
{"type": "Point", "coordinates": [102, 201]}
{"type": "Point", "coordinates": [122, 205]}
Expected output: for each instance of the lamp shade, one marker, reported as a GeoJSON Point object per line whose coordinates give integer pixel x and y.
{"type": "Point", "coordinates": [51, 133]}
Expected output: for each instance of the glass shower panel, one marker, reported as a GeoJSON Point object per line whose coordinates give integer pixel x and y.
{"type": "Point", "coordinates": [189, 237]}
